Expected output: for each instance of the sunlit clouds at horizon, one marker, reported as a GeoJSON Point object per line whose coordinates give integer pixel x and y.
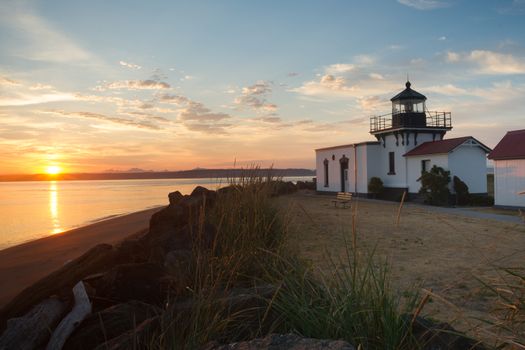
{"type": "Point", "coordinates": [99, 86]}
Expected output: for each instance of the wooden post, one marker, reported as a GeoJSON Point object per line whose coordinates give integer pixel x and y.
{"type": "Point", "coordinates": [399, 209]}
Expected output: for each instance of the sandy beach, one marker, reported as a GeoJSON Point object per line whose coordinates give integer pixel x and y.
{"type": "Point", "coordinates": [24, 264]}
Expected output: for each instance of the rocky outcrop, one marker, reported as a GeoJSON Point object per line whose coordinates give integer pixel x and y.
{"type": "Point", "coordinates": [109, 324]}
{"type": "Point", "coordinates": [284, 342]}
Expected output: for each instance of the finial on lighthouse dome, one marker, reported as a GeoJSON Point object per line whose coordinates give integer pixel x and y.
{"type": "Point", "coordinates": [408, 84]}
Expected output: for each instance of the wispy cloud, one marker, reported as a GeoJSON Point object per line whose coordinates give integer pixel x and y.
{"type": "Point", "coordinates": [129, 65]}
{"type": "Point", "coordinates": [339, 68]}
{"type": "Point", "coordinates": [140, 124]}
{"type": "Point", "coordinates": [424, 4]}
{"type": "Point", "coordinates": [489, 62]}
{"type": "Point", "coordinates": [255, 97]}
{"type": "Point", "coordinates": [134, 85]}
{"type": "Point", "coordinates": [39, 40]}
{"type": "Point", "coordinates": [18, 93]}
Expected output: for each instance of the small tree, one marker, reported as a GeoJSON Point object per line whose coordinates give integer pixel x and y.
{"type": "Point", "coordinates": [375, 186]}
{"type": "Point", "coordinates": [461, 189]}
{"type": "Point", "coordinates": [434, 185]}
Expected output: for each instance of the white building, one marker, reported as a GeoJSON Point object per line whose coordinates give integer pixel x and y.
{"type": "Point", "coordinates": [409, 140]}
{"type": "Point", "coordinates": [509, 170]}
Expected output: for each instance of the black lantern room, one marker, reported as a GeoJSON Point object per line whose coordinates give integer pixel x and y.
{"type": "Point", "coordinates": [408, 109]}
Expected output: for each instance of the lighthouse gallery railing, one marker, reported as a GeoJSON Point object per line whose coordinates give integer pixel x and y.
{"type": "Point", "coordinates": [440, 120]}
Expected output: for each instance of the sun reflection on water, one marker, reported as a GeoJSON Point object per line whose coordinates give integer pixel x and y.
{"type": "Point", "coordinates": [53, 207]}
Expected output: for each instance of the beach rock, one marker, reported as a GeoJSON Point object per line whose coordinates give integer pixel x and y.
{"type": "Point", "coordinates": [33, 330]}
{"type": "Point", "coordinates": [137, 338]}
{"type": "Point", "coordinates": [441, 336]}
{"type": "Point", "coordinates": [283, 342]}
{"type": "Point", "coordinates": [131, 251]}
{"type": "Point", "coordinates": [178, 261]}
{"type": "Point", "coordinates": [109, 324]}
{"type": "Point", "coordinates": [97, 259]}
{"type": "Point", "coordinates": [210, 195]}
{"type": "Point", "coordinates": [228, 190]}
{"type": "Point", "coordinates": [142, 281]}
{"type": "Point", "coordinates": [175, 197]}
{"type": "Point", "coordinates": [167, 219]}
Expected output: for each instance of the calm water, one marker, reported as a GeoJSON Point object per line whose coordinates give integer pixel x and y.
{"type": "Point", "coordinates": [30, 210]}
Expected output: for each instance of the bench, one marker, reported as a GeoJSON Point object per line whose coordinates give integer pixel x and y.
{"type": "Point", "coordinates": [343, 198]}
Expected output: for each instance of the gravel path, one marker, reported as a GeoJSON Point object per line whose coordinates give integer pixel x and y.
{"type": "Point", "coordinates": [466, 212]}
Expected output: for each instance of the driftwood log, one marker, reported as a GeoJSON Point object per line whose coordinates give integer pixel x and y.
{"type": "Point", "coordinates": [32, 330]}
{"type": "Point", "coordinates": [97, 259]}
{"type": "Point", "coordinates": [81, 309]}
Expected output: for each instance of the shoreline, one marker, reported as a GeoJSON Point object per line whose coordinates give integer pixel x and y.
{"type": "Point", "coordinates": [81, 225]}
{"type": "Point", "coordinates": [25, 263]}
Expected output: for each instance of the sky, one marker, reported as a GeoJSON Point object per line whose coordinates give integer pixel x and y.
{"type": "Point", "coordinates": [92, 86]}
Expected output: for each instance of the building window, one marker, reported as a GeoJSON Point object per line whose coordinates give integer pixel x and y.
{"type": "Point", "coordinates": [325, 173]}
{"type": "Point", "coordinates": [425, 165]}
{"type": "Point", "coordinates": [391, 164]}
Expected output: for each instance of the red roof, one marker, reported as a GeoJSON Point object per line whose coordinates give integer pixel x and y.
{"type": "Point", "coordinates": [511, 146]}
{"type": "Point", "coordinates": [442, 146]}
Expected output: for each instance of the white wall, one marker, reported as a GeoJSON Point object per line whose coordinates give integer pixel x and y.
{"type": "Point", "coordinates": [334, 168]}
{"type": "Point", "coordinates": [509, 179]}
{"type": "Point", "coordinates": [400, 178]}
{"type": "Point", "coordinates": [414, 168]}
{"type": "Point", "coordinates": [469, 163]}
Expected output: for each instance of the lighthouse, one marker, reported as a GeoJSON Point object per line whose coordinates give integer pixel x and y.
{"type": "Point", "coordinates": [409, 140]}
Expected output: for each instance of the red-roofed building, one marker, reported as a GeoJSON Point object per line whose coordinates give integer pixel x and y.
{"type": "Point", "coordinates": [409, 141]}
{"type": "Point", "coordinates": [509, 170]}
{"type": "Point", "coordinates": [464, 157]}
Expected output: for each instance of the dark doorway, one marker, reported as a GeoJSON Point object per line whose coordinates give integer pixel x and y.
{"type": "Point", "coordinates": [344, 166]}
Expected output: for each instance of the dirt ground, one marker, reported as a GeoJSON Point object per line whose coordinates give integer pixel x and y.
{"type": "Point", "coordinates": [428, 250]}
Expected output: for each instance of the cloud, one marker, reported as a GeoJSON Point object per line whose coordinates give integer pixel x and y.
{"type": "Point", "coordinates": [442, 38]}
{"type": "Point", "coordinates": [195, 116]}
{"type": "Point", "coordinates": [140, 124]}
{"type": "Point", "coordinates": [17, 93]}
{"type": "Point", "coordinates": [489, 62]}
{"type": "Point", "coordinates": [173, 99]}
{"type": "Point", "coordinates": [373, 103]}
{"type": "Point", "coordinates": [38, 40]}
{"type": "Point", "coordinates": [339, 68]}
{"type": "Point", "coordinates": [254, 97]}
{"type": "Point", "coordinates": [208, 128]}
{"type": "Point", "coordinates": [270, 119]}
{"type": "Point", "coordinates": [423, 4]}
{"type": "Point", "coordinates": [8, 82]}
{"type": "Point", "coordinates": [447, 89]}
{"type": "Point", "coordinates": [292, 74]}
{"type": "Point", "coordinates": [134, 85]}
{"type": "Point", "coordinates": [328, 84]}
{"type": "Point", "coordinates": [129, 65]}
{"type": "Point", "coordinates": [196, 111]}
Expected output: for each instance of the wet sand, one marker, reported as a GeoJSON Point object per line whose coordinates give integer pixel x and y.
{"type": "Point", "coordinates": [24, 264]}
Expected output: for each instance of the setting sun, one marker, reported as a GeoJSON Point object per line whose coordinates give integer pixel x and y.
{"type": "Point", "coordinates": [53, 170]}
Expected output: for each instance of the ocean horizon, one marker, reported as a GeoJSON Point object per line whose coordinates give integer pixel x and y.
{"type": "Point", "coordinates": [36, 209]}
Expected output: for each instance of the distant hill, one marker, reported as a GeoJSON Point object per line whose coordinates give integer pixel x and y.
{"type": "Point", "coordinates": [182, 174]}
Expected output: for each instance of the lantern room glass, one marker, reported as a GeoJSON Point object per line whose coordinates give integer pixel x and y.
{"type": "Point", "coordinates": [408, 106]}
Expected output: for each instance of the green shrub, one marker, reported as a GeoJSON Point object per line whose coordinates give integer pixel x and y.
{"type": "Point", "coordinates": [434, 186]}
{"type": "Point", "coordinates": [461, 189]}
{"type": "Point", "coordinates": [481, 200]}
{"type": "Point", "coordinates": [375, 186]}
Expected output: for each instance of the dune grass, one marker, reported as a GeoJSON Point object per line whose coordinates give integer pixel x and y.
{"type": "Point", "coordinates": [354, 302]}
